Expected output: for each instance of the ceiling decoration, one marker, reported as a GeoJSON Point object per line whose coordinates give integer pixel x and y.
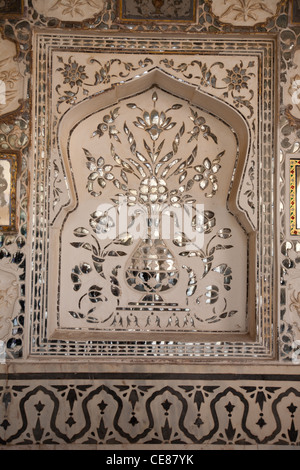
{"type": "Point", "coordinates": [157, 10]}
{"type": "Point", "coordinates": [244, 12]}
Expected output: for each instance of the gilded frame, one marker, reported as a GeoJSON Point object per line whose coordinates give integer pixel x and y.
{"type": "Point", "coordinates": [294, 196]}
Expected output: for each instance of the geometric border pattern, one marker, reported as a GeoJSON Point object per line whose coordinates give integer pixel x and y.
{"type": "Point", "coordinates": [103, 410]}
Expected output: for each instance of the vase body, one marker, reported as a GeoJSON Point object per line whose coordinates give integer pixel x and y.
{"type": "Point", "coordinates": [152, 268]}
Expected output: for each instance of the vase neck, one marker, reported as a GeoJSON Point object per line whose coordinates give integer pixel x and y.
{"type": "Point", "coordinates": [153, 223]}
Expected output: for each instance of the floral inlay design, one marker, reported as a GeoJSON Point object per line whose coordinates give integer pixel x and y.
{"type": "Point", "coordinates": [244, 12]}
{"type": "Point", "coordinates": [218, 52]}
{"type": "Point", "coordinates": [73, 7]}
{"type": "Point", "coordinates": [69, 10]}
{"type": "Point", "coordinates": [76, 77]}
{"type": "Point", "coordinates": [11, 78]}
{"type": "Point", "coordinates": [73, 73]}
{"type": "Point", "coordinates": [154, 180]}
{"type": "Point", "coordinates": [237, 77]}
{"type": "Point", "coordinates": [244, 9]}
{"type": "Point", "coordinates": [237, 80]}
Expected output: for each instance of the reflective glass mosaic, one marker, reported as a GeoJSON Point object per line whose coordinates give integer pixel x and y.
{"type": "Point", "coordinates": [170, 113]}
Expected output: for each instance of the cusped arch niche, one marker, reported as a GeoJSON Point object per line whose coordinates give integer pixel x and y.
{"type": "Point", "coordinates": [153, 244]}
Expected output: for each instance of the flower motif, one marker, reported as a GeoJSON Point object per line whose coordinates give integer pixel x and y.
{"type": "Point", "coordinates": [246, 9]}
{"type": "Point", "coordinates": [237, 78]}
{"type": "Point", "coordinates": [100, 172]}
{"type": "Point", "coordinates": [101, 222]}
{"type": "Point", "coordinates": [73, 6]}
{"type": "Point", "coordinates": [176, 196]}
{"type": "Point", "coordinates": [108, 125]}
{"type": "Point", "coordinates": [153, 190]}
{"type": "Point", "coordinates": [206, 174]}
{"type": "Point", "coordinates": [154, 122]}
{"type": "Point", "coordinates": [204, 221]}
{"type": "Point", "coordinates": [200, 126]}
{"type": "Point", "coordinates": [74, 73]}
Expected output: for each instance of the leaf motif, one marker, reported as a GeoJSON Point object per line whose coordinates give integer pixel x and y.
{"type": "Point", "coordinates": [87, 246]}
{"type": "Point", "coordinates": [89, 156]}
{"type": "Point", "coordinates": [181, 239]}
{"type": "Point", "coordinates": [207, 163]}
{"type": "Point", "coordinates": [221, 268]}
{"type": "Point", "coordinates": [207, 269]}
{"type": "Point", "coordinates": [81, 232]}
{"type": "Point", "coordinates": [98, 259]}
{"type": "Point", "coordinates": [124, 239]}
{"type": "Point", "coordinates": [116, 253]}
{"type": "Point", "coordinates": [182, 177]}
{"type": "Point", "coordinates": [166, 158]}
{"type": "Point", "coordinates": [224, 233]}
{"type": "Point", "coordinates": [176, 106]}
{"type": "Point", "coordinates": [95, 294]}
{"type": "Point", "coordinates": [115, 113]}
{"type": "Point", "coordinates": [169, 166]}
{"type": "Point", "coordinates": [76, 315]}
{"type": "Point", "coordinates": [115, 289]}
{"type": "Point", "coordinates": [189, 185]}
{"type": "Point", "coordinates": [140, 157]}
{"type": "Point", "coordinates": [76, 244]}
{"type": "Point", "coordinates": [92, 320]}
{"type": "Point", "coordinates": [124, 176]}
{"type": "Point", "coordinates": [126, 130]}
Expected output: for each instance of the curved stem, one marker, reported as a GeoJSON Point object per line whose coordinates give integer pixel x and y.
{"type": "Point", "coordinates": [80, 300]}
